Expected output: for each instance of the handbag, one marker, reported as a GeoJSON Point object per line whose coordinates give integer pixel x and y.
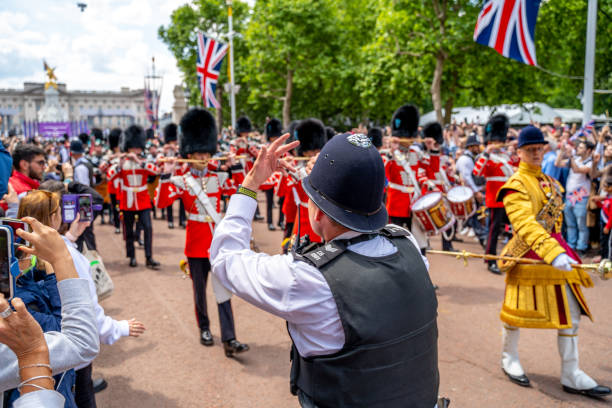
{"type": "Point", "coordinates": [99, 275]}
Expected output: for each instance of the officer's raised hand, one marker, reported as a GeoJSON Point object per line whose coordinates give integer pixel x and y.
{"type": "Point", "coordinates": [268, 161]}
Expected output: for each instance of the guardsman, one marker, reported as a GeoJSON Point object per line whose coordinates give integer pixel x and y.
{"type": "Point", "coordinates": [312, 137]}
{"type": "Point", "coordinates": [436, 175]}
{"type": "Point", "coordinates": [541, 296]}
{"type": "Point", "coordinates": [200, 191]}
{"type": "Point", "coordinates": [171, 149]}
{"type": "Point", "coordinates": [274, 129]}
{"type": "Point", "coordinates": [134, 201]}
{"type": "Point", "coordinates": [110, 159]}
{"type": "Point", "coordinates": [496, 166]}
{"type": "Point", "coordinates": [402, 171]}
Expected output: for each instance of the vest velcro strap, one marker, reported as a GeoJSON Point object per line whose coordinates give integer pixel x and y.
{"type": "Point", "coordinates": [392, 230]}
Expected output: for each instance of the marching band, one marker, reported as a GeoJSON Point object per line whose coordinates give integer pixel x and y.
{"type": "Point", "coordinates": [426, 192]}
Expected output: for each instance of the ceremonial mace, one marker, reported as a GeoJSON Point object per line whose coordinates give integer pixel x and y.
{"type": "Point", "coordinates": [603, 268]}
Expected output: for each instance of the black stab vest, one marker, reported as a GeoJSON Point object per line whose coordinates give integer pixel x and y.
{"type": "Point", "coordinates": [388, 309]}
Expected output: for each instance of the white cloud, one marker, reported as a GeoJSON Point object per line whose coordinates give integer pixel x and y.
{"type": "Point", "coordinates": [107, 46]}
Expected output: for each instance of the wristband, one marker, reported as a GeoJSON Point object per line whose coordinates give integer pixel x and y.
{"type": "Point", "coordinates": [247, 192]}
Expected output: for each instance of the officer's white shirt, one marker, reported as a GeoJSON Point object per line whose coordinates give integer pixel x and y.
{"type": "Point", "coordinates": [293, 290]}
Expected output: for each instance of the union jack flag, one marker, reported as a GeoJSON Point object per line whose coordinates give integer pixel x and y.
{"type": "Point", "coordinates": [508, 26]}
{"type": "Point", "coordinates": [148, 102]}
{"type": "Point", "coordinates": [210, 57]}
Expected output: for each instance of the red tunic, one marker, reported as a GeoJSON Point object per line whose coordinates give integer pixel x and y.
{"type": "Point", "coordinates": [400, 187]}
{"type": "Point", "coordinates": [496, 169]}
{"type": "Point", "coordinates": [133, 192]}
{"type": "Point", "coordinates": [200, 225]}
{"type": "Point", "coordinates": [436, 173]}
{"type": "Point", "coordinates": [300, 200]}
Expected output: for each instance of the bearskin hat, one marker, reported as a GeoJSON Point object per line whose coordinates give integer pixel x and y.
{"type": "Point", "coordinates": [198, 133]}
{"type": "Point", "coordinates": [84, 138]}
{"type": "Point", "coordinates": [170, 133]}
{"type": "Point", "coordinates": [114, 137]}
{"type": "Point", "coordinates": [376, 136]}
{"type": "Point", "coordinates": [150, 133]}
{"type": "Point", "coordinates": [134, 136]}
{"type": "Point", "coordinates": [311, 134]}
{"type": "Point", "coordinates": [291, 131]}
{"type": "Point", "coordinates": [243, 125]}
{"type": "Point", "coordinates": [497, 128]}
{"type": "Point", "coordinates": [405, 121]}
{"type": "Point", "coordinates": [330, 132]}
{"type": "Point", "coordinates": [433, 130]}
{"type": "Point", "coordinates": [274, 128]}
{"type": "Point", "coordinates": [96, 133]}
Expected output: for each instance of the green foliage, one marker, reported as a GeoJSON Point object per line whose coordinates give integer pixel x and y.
{"type": "Point", "coordinates": [356, 60]}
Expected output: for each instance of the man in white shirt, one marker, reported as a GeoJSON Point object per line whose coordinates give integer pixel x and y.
{"type": "Point", "coordinates": [360, 307]}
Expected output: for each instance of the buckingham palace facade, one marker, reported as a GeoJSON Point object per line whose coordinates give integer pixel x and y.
{"type": "Point", "coordinates": [103, 109]}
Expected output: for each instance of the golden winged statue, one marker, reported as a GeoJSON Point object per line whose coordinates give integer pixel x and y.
{"type": "Point", "coordinates": [51, 78]}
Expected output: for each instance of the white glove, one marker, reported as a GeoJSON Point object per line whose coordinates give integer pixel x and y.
{"type": "Point", "coordinates": [563, 262]}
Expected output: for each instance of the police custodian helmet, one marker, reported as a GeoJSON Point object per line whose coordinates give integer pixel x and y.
{"type": "Point", "coordinates": [347, 183]}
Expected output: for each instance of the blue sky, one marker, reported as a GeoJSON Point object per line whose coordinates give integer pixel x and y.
{"type": "Point", "coordinates": [107, 46]}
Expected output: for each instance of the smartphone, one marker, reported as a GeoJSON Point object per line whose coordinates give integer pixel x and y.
{"type": "Point", "coordinates": [85, 208]}
{"type": "Point", "coordinates": [15, 224]}
{"type": "Point", "coordinates": [69, 207]}
{"type": "Point", "coordinates": [6, 279]}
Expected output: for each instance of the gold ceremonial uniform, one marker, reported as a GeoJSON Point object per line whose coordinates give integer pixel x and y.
{"type": "Point", "coordinates": [535, 295]}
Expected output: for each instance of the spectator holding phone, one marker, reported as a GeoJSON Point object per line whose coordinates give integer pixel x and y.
{"type": "Point", "coordinates": [110, 330]}
{"type": "Point", "coordinates": [78, 341]}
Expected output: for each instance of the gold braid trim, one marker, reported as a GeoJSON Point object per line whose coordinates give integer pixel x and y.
{"type": "Point", "coordinates": [547, 218]}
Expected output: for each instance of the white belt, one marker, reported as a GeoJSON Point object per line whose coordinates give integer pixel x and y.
{"type": "Point", "coordinates": [402, 188]}
{"type": "Point", "coordinates": [132, 193]}
{"type": "Point", "coordinates": [199, 217]}
{"type": "Point", "coordinates": [503, 179]}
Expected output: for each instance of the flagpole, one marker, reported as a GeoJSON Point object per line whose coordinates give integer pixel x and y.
{"type": "Point", "coordinates": [231, 62]}
{"type": "Point", "coordinates": [589, 63]}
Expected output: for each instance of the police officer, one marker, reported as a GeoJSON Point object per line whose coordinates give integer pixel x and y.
{"type": "Point", "coordinates": [360, 307]}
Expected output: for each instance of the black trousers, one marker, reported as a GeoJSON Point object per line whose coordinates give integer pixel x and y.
{"type": "Point", "coordinates": [182, 215]}
{"type": "Point", "coordinates": [497, 220]}
{"type": "Point", "coordinates": [199, 269]}
{"type": "Point", "coordinates": [144, 218]}
{"type": "Point", "coordinates": [269, 205]}
{"type": "Point", "coordinates": [115, 210]}
{"type": "Point", "coordinates": [84, 394]}
{"type": "Point", "coordinates": [281, 214]}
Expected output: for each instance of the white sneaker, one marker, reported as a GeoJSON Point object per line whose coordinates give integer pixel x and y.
{"type": "Point", "coordinates": [471, 233]}
{"type": "Point", "coordinates": [464, 231]}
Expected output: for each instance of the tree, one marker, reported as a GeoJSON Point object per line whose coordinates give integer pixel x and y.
{"type": "Point", "coordinates": [293, 48]}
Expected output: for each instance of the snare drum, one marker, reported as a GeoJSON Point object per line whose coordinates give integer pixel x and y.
{"type": "Point", "coordinates": [432, 213]}
{"type": "Point", "coordinates": [462, 202]}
